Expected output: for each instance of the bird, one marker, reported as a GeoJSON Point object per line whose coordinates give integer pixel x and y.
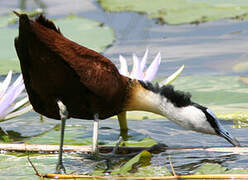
{"type": "Point", "coordinates": [66, 80]}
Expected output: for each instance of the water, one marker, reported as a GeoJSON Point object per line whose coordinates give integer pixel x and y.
{"type": "Point", "coordinates": [212, 48]}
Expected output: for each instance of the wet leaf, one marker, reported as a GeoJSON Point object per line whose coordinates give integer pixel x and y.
{"type": "Point", "coordinates": [141, 160]}
{"type": "Point", "coordinates": [237, 171]}
{"type": "Point", "coordinates": [236, 116]}
{"type": "Point", "coordinates": [4, 21]}
{"type": "Point", "coordinates": [12, 167]}
{"type": "Point", "coordinates": [210, 168]}
{"type": "Point", "coordinates": [151, 171]}
{"type": "Point", "coordinates": [181, 11]}
{"type": "Point", "coordinates": [74, 135]}
{"type": "Point", "coordinates": [8, 57]}
{"type": "Point", "coordinates": [241, 67]}
{"type": "Point", "coordinates": [146, 142]}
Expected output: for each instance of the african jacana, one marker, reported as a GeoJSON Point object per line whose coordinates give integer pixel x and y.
{"type": "Point", "coordinates": [64, 79]}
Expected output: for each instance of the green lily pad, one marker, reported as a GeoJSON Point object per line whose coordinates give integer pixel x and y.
{"type": "Point", "coordinates": [141, 160]}
{"type": "Point", "coordinates": [4, 20]}
{"type": "Point", "coordinates": [241, 67]}
{"type": "Point", "coordinates": [91, 34]}
{"type": "Point", "coordinates": [8, 57]}
{"type": "Point", "coordinates": [146, 142]}
{"type": "Point", "coordinates": [74, 135]}
{"type": "Point", "coordinates": [237, 171]}
{"type": "Point", "coordinates": [151, 171]}
{"type": "Point", "coordinates": [180, 11]}
{"type": "Point", "coordinates": [13, 167]}
{"type": "Point", "coordinates": [210, 168]}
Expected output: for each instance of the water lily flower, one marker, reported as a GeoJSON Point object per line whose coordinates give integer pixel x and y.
{"type": "Point", "coordinates": [139, 72]}
{"type": "Point", "coordinates": [11, 102]}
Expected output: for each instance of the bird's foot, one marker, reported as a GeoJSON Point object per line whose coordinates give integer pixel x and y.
{"type": "Point", "coordinates": [60, 169]}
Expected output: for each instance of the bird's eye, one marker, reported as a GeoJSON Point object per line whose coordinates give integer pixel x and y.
{"type": "Point", "coordinates": [227, 133]}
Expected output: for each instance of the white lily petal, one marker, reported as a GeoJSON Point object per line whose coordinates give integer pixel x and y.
{"type": "Point", "coordinates": [17, 105]}
{"type": "Point", "coordinates": [18, 81]}
{"type": "Point", "coordinates": [136, 73]}
{"type": "Point", "coordinates": [18, 113]}
{"type": "Point", "coordinates": [143, 61]}
{"type": "Point", "coordinates": [172, 77]}
{"type": "Point", "coordinates": [9, 97]}
{"type": "Point", "coordinates": [123, 63]}
{"type": "Point", "coordinates": [4, 86]}
{"type": "Point", "coordinates": [153, 68]}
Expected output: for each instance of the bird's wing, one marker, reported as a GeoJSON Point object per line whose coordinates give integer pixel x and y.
{"type": "Point", "coordinates": [96, 72]}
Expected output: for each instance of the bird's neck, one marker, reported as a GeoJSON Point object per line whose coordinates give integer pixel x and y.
{"type": "Point", "coordinates": [141, 99]}
{"type": "Point", "coordinates": [188, 116]}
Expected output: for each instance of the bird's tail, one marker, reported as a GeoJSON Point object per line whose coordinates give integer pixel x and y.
{"type": "Point", "coordinates": [16, 13]}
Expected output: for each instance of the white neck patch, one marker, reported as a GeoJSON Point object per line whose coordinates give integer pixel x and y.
{"type": "Point", "coordinates": [189, 117]}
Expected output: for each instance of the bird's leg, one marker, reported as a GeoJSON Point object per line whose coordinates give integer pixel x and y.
{"type": "Point", "coordinates": [60, 169]}
{"type": "Point", "coordinates": [117, 145]}
{"type": "Point", "coordinates": [95, 134]}
{"type": "Point", "coordinates": [122, 118]}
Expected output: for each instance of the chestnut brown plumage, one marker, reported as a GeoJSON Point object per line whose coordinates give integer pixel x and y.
{"type": "Point", "coordinates": [55, 68]}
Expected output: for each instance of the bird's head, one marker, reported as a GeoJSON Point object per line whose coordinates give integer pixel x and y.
{"type": "Point", "coordinates": [178, 107]}
{"type": "Point", "coordinates": [214, 125]}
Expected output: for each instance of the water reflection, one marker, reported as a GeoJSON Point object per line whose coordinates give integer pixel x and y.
{"type": "Point", "coordinates": [185, 162]}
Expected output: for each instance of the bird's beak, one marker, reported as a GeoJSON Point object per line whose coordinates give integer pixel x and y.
{"type": "Point", "coordinates": [229, 137]}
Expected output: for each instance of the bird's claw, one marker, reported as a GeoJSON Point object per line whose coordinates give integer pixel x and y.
{"type": "Point", "coordinates": [60, 169]}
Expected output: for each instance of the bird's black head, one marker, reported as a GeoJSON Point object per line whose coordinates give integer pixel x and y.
{"type": "Point", "coordinates": [216, 125]}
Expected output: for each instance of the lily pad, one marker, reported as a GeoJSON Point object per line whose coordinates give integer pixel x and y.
{"type": "Point", "coordinates": [13, 167]}
{"type": "Point", "coordinates": [74, 135]}
{"type": "Point", "coordinates": [210, 168]}
{"type": "Point", "coordinates": [4, 20]}
{"type": "Point", "coordinates": [237, 171]}
{"type": "Point", "coordinates": [180, 11]}
{"type": "Point", "coordinates": [241, 67]}
{"type": "Point", "coordinates": [151, 171]}
{"type": "Point", "coordinates": [141, 160]}
{"type": "Point", "coordinates": [91, 34]}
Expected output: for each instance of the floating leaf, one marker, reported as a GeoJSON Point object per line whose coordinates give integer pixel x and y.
{"type": "Point", "coordinates": [146, 142]}
{"type": "Point", "coordinates": [74, 135]}
{"type": "Point", "coordinates": [151, 171]}
{"type": "Point", "coordinates": [241, 67]}
{"type": "Point", "coordinates": [181, 11]}
{"type": "Point", "coordinates": [210, 168]}
{"type": "Point", "coordinates": [140, 160]}
{"type": "Point", "coordinates": [237, 171]}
